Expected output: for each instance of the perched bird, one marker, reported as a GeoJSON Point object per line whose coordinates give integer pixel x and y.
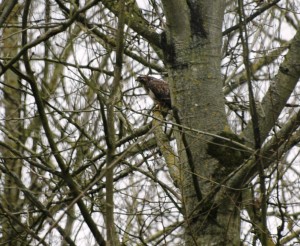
{"type": "Point", "coordinates": [157, 89]}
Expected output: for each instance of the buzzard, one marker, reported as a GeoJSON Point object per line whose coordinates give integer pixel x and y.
{"type": "Point", "coordinates": [157, 89]}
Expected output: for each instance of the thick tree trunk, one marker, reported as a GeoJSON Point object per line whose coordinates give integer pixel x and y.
{"type": "Point", "coordinates": [193, 54]}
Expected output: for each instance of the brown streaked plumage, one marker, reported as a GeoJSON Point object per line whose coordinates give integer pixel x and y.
{"type": "Point", "coordinates": [157, 89]}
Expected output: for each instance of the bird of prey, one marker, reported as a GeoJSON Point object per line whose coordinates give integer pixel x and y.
{"type": "Point", "coordinates": [157, 89]}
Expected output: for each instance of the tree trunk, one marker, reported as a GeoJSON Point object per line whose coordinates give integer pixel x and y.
{"type": "Point", "coordinates": [193, 55]}
{"type": "Point", "coordinates": [12, 107]}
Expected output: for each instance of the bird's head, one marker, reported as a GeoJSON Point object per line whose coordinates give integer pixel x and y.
{"type": "Point", "coordinates": [143, 79]}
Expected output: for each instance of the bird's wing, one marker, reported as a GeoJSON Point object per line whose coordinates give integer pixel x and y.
{"type": "Point", "coordinates": [161, 91]}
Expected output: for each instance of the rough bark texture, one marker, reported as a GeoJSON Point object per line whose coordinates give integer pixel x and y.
{"type": "Point", "coordinates": [193, 54]}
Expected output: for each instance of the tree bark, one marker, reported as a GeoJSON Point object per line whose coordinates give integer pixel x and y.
{"type": "Point", "coordinates": [192, 45]}
{"type": "Point", "coordinates": [12, 107]}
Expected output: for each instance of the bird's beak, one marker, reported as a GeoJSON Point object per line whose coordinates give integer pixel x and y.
{"type": "Point", "coordinates": [139, 79]}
